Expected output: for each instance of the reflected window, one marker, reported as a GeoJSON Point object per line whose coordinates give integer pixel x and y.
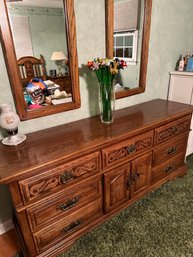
{"type": "Point", "coordinates": [125, 46]}
{"type": "Point", "coordinates": [126, 28]}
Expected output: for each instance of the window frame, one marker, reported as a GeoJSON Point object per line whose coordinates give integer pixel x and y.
{"type": "Point", "coordinates": [134, 33]}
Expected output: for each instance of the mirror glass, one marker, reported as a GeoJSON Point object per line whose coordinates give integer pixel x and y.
{"type": "Point", "coordinates": [38, 38]}
{"type": "Point", "coordinates": [128, 27]}
{"type": "Point", "coordinates": [127, 37]}
{"type": "Point", "coordinates": [39, 30]}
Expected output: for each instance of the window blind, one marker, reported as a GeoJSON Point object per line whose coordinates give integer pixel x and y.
{"type": "Point", "coordinates": [126, 15]}
{"type": "Point", "coordinates": [21, 36]}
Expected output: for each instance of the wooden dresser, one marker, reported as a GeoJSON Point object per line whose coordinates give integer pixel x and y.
{"type": "Point", "coordinates": [66, 180]}
{"type": "Point", "coordinates": [63, 81]}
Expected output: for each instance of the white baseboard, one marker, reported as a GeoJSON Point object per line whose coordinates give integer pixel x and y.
{"type": "Point", "coordinates": [6, 226]}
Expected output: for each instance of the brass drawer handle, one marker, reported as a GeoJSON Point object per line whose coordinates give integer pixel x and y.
{"type": "Point", "coordinates": [71, 227]}
{"type": "Point", "coordinates": [69, 203]}
{"type": "Point", "coordinates": [172, 150]}
{"type": "Point", "coordinates": [131, 149]}
{"type": "Point", "coordinates": [66, 176]}
{"type": "Point", "coordinates": [168, 168]}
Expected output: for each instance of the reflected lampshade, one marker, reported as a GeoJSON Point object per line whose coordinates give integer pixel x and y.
{"type": "Point", "coordinates": [57, 56]}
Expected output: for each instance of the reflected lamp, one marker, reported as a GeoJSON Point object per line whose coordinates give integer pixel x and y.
{"type": "Point", "coordinates": [59, 58]}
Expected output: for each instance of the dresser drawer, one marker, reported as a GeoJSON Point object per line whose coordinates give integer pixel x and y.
{"type": "Point", "coordinates": [67, 85]}
{"type": "Point", "coordinates": [64, 82]}
{"type": "Point", "coordinates": [50, 181]}
{"type": "Point", "coordinates": [170, 149]}
{"type": "Point", "coordinates": [172, 129]}
{"type": "Point", "coordinates": [128, 148]}
{"type": "Point", "coordinates": [67, 226]}
{"type": "Point", "coordinates": [67, 202]}
{"type": "Point", "coordinates": [163, 170]}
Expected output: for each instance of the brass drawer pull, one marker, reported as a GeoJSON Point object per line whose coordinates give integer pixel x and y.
{"type": "Point", "coordinates": [172, 150]}
{"type": "Point", "coordinates": [71, 227]}
{"type": "Point", "coordinates": [131, 149]}
{"type": "Point", "coordinates": [69, 203]}
{"type": "Point", "coordinates": [169, 168]}
{"type": "Point", "coordinates": [66, 176]}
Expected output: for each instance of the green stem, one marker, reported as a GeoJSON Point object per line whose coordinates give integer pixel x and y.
{"type": "Point", "coordinates": [105, 79]}
{"type": "Point", "coordinates": [107, 103]}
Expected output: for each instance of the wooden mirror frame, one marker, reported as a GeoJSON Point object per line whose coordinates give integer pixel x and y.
{"type": "Point", "coordinates": [13, 69]}
{"type": "Point", "coordinates": [109, 9]}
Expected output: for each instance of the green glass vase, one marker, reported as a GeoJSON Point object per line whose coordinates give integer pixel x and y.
{"type": "Point", "coordinates": [107, 101]}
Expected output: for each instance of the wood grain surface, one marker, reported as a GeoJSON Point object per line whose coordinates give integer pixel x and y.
{"type": "Point", "coordinates": [54, 145]}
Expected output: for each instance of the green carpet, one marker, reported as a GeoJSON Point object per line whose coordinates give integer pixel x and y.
{"type": "Point", "coordinates": [159, 225]}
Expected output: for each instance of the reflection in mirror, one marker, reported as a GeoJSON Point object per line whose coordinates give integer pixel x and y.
{"type": "Point", "coordinates": [127, 40]}
{"type": "Point", "coordinates": [127, 32]}
{"type": "Point", "coordinates": [39, 35]}
{"type": "Point", "coordinates": [43, 55]}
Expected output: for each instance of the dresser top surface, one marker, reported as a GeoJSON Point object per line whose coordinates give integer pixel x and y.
{"type": "Point", "coordinates": [53, 145]}
{"type": "Point", "coordinates": [181, 73]}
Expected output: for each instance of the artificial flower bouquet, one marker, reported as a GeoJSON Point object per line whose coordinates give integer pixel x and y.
{"type": "Point", "coordinates": [106, 71]}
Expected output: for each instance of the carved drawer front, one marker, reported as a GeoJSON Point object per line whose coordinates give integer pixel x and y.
{"type": "Point", "coordinates": [67, 202]}
{"type": "Point", "coordinates": [128, 148]}
{"type": "Point", "coordinates": [46, 183]}
{"type": "Point", "coordinates": [172, 129]}
{"type": "Point", "coordinates": [171, 149]}
{"type": "Point", "coordinates": [165, 169]}
{"type": "Point", "coordinates": [67, 226]}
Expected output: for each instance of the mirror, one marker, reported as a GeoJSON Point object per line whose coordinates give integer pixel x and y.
{"type": "Point", "coordinates": [39, 44]}
{"type": "Point", "coordinates": [127, 37]}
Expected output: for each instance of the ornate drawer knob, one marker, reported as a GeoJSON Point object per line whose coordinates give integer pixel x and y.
{"type": "Point", "coordinates": [135, 176]}
{"type": "Point", "coordinates": [69, 203]}
{"type": "Point", "coordinates": [131, 179]}
{"type": "Point", "coordinates": [129, 182]}
{"type": "Point", "coordinates": [67, 176]}
{"type": "Point", "coordinates": [131, 149]}
{"type": "Point", "coordinates": [175, 130]}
